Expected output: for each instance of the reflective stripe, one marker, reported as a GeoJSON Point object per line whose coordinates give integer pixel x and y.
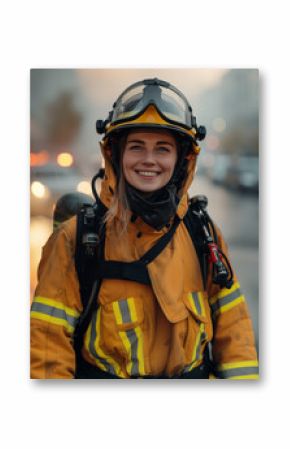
{"type": "Point", "coordinates": [130, 341]}
{"type": "Point", "coordinates": [226, 299]}
{"type": "Point", "coordinates": [132, 308]}
{"type": "Point", "coordinates": [232, 365]}
{"type": "Point", "coordinates": [239, 370]}
{"type": "Point", "coordinates": [125, 313]}
{"type": "Point", "coordinates": [92, 344]}
{"type": "Point", "coordinates": [56, 304]}
{"type": "Point", "coordinates": [197, 303]}
{"type": "Point", "coordinates": [196, 354]}
{"type": "Point", "coordinates": [224, 292]}
{"type": "Point", "coordinates": [250, 376]}
{"type": "Point", "coordinates": [54, 312]}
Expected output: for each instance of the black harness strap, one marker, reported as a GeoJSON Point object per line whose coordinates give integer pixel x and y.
{"type": "Point", "coordinates": [135, 271]}
{"type": "Point", "coordinates": [193, 227]}
{"type": "Point", "coordinates": [129, 271]}
{"type": "Point", "coordinates": [162, 242]}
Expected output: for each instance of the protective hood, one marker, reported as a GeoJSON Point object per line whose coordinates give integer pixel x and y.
{"type": "Point", "coordinates": [109, 183]}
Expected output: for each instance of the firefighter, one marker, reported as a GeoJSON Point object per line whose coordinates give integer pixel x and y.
{"type": "Point", "coordinates": [152, 314]}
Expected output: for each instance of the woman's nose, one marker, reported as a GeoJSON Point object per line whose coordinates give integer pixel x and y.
{"type": "Point", "coordinates": [148, 158]}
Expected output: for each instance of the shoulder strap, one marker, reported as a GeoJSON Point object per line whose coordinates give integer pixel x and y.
{"type": "Point", "coordinates": [89, 244]}
{"type": "Point", "coordinates": [193, 227]}
{"type": "Point", "coordinates": [203, 234]}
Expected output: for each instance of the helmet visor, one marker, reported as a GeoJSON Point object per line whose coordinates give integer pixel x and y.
{"type": "Point", "coordinates": [170, 103]}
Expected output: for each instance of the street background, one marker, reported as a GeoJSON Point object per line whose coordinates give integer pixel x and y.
{"type": "Point", "coordinates": [65, 153]}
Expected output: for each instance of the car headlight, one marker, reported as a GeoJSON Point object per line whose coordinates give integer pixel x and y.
{"type": "Point", "coordinates": [39, 190]}
{"type": "Point", "coordinates": [84, 187]}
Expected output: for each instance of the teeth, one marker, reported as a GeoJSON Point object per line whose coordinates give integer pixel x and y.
{"type": "Point", "coordinates": [147, 173]}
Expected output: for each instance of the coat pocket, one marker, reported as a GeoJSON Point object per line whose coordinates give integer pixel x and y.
{"type": "Point", "coordinates": [129, 316]}
{"type": "Point", "coordinates": [199, 330]}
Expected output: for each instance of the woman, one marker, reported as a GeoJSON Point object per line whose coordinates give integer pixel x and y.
{"type": "Point", "coordinates": [166, 325]}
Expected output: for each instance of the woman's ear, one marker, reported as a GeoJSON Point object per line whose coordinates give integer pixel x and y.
{"type": "Point", "coordinates": [108, 152]}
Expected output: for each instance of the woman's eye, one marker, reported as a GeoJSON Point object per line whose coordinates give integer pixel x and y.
{"type": "Point", "coordinates": [135, 148]}
{"type": "Point", "coordinates": [163, 149]}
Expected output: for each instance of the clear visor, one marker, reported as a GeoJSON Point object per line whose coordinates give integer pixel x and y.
{"type": "Point", "coordinates": [169, 103]}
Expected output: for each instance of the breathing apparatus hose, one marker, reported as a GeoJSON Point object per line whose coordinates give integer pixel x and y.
{"type": "Point", "coordinates": [100, 174]}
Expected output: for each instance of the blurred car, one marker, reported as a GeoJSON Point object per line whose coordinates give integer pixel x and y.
{"type": "Point", "coordinates": [244, 174]}
{"type": "Point", "coordinates": [236, 172]}
{"type": "Point", "coordinates": [49, 182]}
{"type": "Point", "coordinates": [219, 169]}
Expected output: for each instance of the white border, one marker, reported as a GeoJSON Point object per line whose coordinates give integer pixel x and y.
{"type": "Point", "coordinates": [129, 34]}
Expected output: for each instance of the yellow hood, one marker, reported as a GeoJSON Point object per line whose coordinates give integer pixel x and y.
{"type": "Point", "coordinates": [109, 183]}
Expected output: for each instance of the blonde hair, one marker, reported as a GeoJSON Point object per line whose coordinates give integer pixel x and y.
{"type": "Point", "coordinates": [120, 205]}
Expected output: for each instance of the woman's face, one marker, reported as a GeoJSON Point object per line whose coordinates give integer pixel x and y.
{"type": "Point", "coordinates": [149, 159]}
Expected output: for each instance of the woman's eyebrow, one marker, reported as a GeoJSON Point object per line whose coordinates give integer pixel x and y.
{"type": "Point", "coordinates": [160, 142]}
{"type": "Point", "coordinates": [135, 141]}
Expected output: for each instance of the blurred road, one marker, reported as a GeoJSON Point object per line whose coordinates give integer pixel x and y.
{"type": "Point", "coordinates": [237, 216]}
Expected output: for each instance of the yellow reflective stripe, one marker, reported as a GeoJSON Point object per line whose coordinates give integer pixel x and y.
{"type": "Point", "coordinates": [92, 344]}
{"type": "Point", "coordinates": [52, 319]}
{"type": "Point", "coordinates": [201, 302]}
{"type": "Point", "coordinates": [56, 304]}
{"type": "Point", "coordinates": [132, 338]}
{"type": "Point", "coordinates": [232, 304]}
{"type": "Point", "coordinates": [99, 350]}
{"type": "Point", "coordinates": [226, 299]}
{"type": "Point", "coordinates": [233, 365]}
{"type": "Point", "coordinates": [197, 296]}
{"type": "Point", "coordinates": [196, 353]}
{"type": "Point", "coordinates": [127, 344]}
{"type": "Point", "coordinates": [224, 292]}
{"type": "Point", "coordinates": [140, 351]}
{"type": "Point", "coordinates": [87, 343]}
{"type": "Point", "coordinates": [238, 370]}
{"type": "Point", "coordinates": [246, 376]}
{"type": "Point", "coordinates": [191, 300]}
{"type": "Point", "coordinates": [117, 312]}
{"type": "Point", "coordinates": [133, 342]}
{"type": "Point", "coordinates": [131, 305]}
{"type": "Point", "coordinates": [55, 312]}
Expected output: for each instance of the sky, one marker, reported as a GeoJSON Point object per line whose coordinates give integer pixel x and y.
{"type": "Point", "coordinates": [111, 82]}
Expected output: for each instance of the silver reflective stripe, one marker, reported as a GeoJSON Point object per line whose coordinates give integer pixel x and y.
{"type": "Point", "coordinates": [226, 300]}
{"type": "Point", "coordinates": [198, 353]}
{"type": "Point", "coordinates": [239, 371]}
{"type": "Point", "coordinates": [93, 338]}
{"type": "Point", "coordinates": [54, 312]}
{"type": "Point", "coordinates": [196, 302]}
{"type": "Point", "coordinates": [202, 339]}
{"type": "Point", "coordinates": [125, 312]}
{"type": "Point", "coordinates": [131, 334]}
